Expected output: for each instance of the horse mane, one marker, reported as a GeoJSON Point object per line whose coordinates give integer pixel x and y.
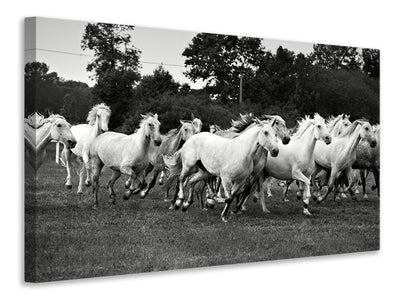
{"type": "Point", "coordinates": [144, 119]}
{"type": "Point", "coordinates": [173, 131]}
{"type": "Point", "coordinates": [241, 124]}
{"type": "Point", "coordinates": [302, 127]}
{"type": "Point", "coordinates": [271, 118]}
{"type": "Point", "coordinates": [349, 131]}
{"type": "Point", "coordinates": [91, 117]}
{"type": "Point", "coordinates": [332, 121]}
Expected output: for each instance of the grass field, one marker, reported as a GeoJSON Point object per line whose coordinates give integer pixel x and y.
{"type": "Point", "coordinates": [66, 238]}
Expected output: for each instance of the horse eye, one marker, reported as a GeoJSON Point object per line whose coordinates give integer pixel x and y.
{"type": "Point", "coordinates": [266, 133]}
{"type": "Point", "coordinates": [319, 126]}
{"type": "Point", "coordinates": [58, 125]}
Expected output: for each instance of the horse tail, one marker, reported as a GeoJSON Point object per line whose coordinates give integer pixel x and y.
{"type": "Point", "coordinates": [174, 166]}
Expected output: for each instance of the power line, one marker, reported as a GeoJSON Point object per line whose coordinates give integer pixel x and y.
{"type": "Point", "coordinates": [88, 55]}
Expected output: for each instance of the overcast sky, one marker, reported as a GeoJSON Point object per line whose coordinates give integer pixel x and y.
{"type": "Point", "coordinates": [157, 46]}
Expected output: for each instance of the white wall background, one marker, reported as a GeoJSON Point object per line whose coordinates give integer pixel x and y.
{"type": "Point", "coordinates": [358, 23]}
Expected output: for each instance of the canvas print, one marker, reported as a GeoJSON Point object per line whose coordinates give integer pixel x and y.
{"type": "Point", "coordinates": [149, 149]}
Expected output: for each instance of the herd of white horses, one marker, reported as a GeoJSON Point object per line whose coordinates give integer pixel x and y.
{"type": "Point", "coordinates": [219, 166]}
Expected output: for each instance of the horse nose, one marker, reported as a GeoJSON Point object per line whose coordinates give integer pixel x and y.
{"type": "Point", "coordinates": [286, 140]}
{"type": "Point", "coordinates": [373, 143]}
{"type": "Point", "coordinates": [157, 142]}
{"type": "Point", "coordinates": [71, 143]}
{"type": "Point", "coordinates": [328, 140]}
{"type": "Point", "coordinates": [275, 152]}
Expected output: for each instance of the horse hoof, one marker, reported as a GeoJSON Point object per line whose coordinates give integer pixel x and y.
{"type": "Point", "coordinates": [88, 183]}
{"type": "Point", "coordinates": [298, 196]}
{"type": "Point", "coordinates": [210, 203]}
{"type": "Point", "coordinates": [306, 212]}
{"type": "Point", "coordinates": [127, 184]}
{"type": "Point", "coordinates": [266, 211]}
{"type": "Point", "coordinates": [224, 219]}
{"type": "Point", "coordinates": [244, 208]}
{"type": "Point", "coordinates": [285, 200]}
{"type": "Point", "coordinates": [365, 197]}
{"type": "Point", "coordinates": [127, 195]}
{"type": "Point", "coordinates": [171, 207]}
{"type": "Point", "coordinates": [161, 182]}
{"type": "Point", "coordinates": [185, 207]}
{"type": "Point", "coordinates": [142, 194]}
{"type": "Point", "coordinates": [166, 200]}
{"type": "Point", "coordinates": [68, 186]}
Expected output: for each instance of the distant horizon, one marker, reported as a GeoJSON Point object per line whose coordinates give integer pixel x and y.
{"type": "Point", "coordinates": [58, 44]}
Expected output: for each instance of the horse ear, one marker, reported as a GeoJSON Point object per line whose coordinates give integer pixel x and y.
{"type": "Point", "coordinates": [257, 120]}
{"type": "Point", "coordinates": [192, 115]}
{"type": "Point", "coordinates": [143, 116]}
{"type": "Point", "coordinates": [156, 116]}
{"type": "Point", "coordinates": [181, 122]}
{"type": "Point", "coordinates": [273, 123]}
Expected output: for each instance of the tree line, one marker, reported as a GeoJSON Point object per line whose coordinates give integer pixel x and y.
{"type": "Point", "coordinates": [330, 80]}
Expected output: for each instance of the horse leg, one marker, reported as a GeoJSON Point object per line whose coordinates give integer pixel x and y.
{"type": "Point", "coordinates": [363, 183]}
{"type": "Point", "coordinates": [376, 177]}
{"type": "Point", "coordinates": [200, 175]}
{"type": "Point", "coordinates": [162, 178]}
{"type": "Point", "coordinates": [66, 154]}
{"type": "Point", "coordinates": [81, 174]}
{"type": "Point", "coordinates": [85, 157]}
{"type": "Point", "coordinates": [331, 183]}
{"type": "Point", "coordinates": [262, 195]}
{"type": "Point", "coordinates": [316, 188]}
{"type": "Point", "coordinates": [285, 190]}
{"type": "Point", "coordinates": [244, 196]}
{"type": "Point", "coordinates": [97, 165]}
{"type": "Point", "coordinates": [304, 188]}
{"type": "Point", "coordinates": [152, 183]}
{"type": "Point", "coordinates": [126, 169]}
{"type": "Point", "coordinates": [227, 185]}
{"type": "Point", "coordinates": [110, 185]}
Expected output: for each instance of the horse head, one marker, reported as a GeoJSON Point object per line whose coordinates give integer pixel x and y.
{"type": "Point", "coordinates": [151, 127]}
{"type": "Point", "coordinates": [366, 132]}
{"type": "Point", "coordinates": [267, 137]}
{"type": "Point", "coordinates": [279, 124]}
{"type": "Point", "coordinates": [187, 130]}
{"type": "Point", "coordinates": [321, 130]}
{"type": "Point", "coordinates": [197, 123]}
{"type": "Point", "coordinates": [60, 131]}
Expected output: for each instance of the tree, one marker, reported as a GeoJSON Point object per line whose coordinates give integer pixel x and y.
{"type": "Point", "coordinates": [371, 62]}
{"type": "Point", "coordinates": [336, 57]}
{"type": "Point", "coordinates": [115, 65]}
{"type": "Point", "coordinates": [220, 59]}
{"type": "Point", "coordinates": [41, 91]}
{"type": "Point", "coordinates": [160, 82]}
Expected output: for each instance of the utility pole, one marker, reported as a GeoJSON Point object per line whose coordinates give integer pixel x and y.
{"type": "Point", "coordinates": [240, 88]}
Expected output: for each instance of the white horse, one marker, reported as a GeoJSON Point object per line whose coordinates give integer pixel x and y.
{"type": "Point", "coordinates": [98, 118]}
{"type": "Point", "coordinates": [230, 159]}
{"type": "Point", "coordinates": [197, 123]}
{"type": "Point", "coordinates": [368, 159]}
{"type": "Point", "coordinates": [296, 159]}
{"type": "Point", "coordinates": [39, 132]}
{"type": "Point", "coordinates": [171, 142]}
{"type": "Point", "coordinates": [338, 157]}
{"type": "Point", "coordinates": [126, 154]}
